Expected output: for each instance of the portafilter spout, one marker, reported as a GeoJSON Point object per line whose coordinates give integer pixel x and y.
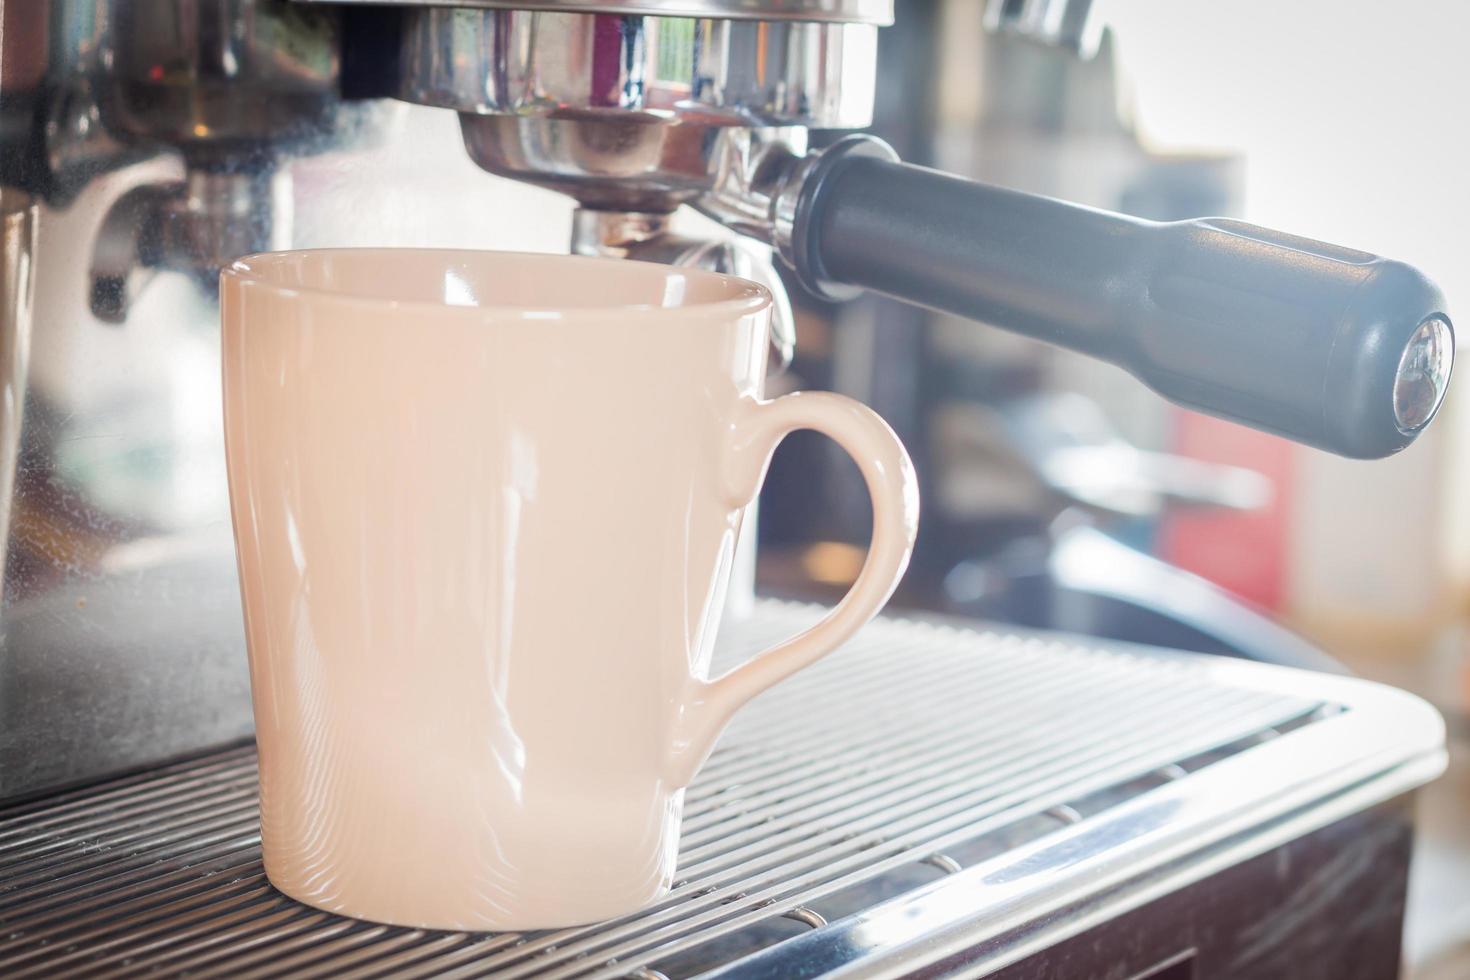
{"type": "Point", "coordinates": [649, 237]}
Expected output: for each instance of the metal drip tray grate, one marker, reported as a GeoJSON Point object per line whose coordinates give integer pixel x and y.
{"type": "Point", "coordinates": [919, 758]}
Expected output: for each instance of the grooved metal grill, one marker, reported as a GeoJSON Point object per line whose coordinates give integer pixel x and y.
{"type": "Point", "coordinates": [917, 751]}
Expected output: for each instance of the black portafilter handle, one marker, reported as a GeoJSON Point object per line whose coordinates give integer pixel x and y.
{"type": "Point", "coordinates": [1329, 346]}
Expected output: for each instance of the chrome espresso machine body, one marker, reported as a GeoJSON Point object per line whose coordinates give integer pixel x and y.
{"type": "Point", "coordinates": [961, 801]}
{"type": "Point", "coordinates": [148, 143]}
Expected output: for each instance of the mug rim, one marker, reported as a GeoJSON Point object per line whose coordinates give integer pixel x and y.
{"type": "Point", "coordinates": [745, 296]}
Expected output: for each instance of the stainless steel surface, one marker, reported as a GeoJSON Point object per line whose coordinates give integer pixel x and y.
{"type": "Point", "coordinates": [196, 226]}
{"type": "Point", "coordinates": [1424, 374]}
{"type": "Point", "coordinates": [620, 234]}
{"type": "Point", "coordinates": [927, 778]}
{"type": "Point", "coordinates": [877, 12]}
{"type": "Point", "coordinates": [620, 116]}
{"type": "Point", "coordinates": [627, 162]}
{"type": "Point", "coordinates": [614, 163]}
{"type": "Point", "coordinates": [17, 255]}
{"type": "Point", "coordinates": [649, 237]}
{"type": "Point", "coordinates": [1069, 24]}
{"type": "Point", "coordinates": [783, 206]}
{"type": "Point", "coordinates": [695, 71]}
{"type": "Point", "coordinates": [222, 77]}
{"type": "Point", "coordinates": [233, 88]}
{"type": "Point", "coordinates": [753, 177]}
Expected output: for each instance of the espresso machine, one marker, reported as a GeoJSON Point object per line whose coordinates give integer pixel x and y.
{"type": "Point", "coordinates": [992, 805]}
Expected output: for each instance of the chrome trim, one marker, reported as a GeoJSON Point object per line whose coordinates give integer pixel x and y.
{"type": "Point", "coordinates": [209, 77]}
{"type": "Point", "coordinates": [878, 13]}
{"type": "Point", "coordinates": [17, 282]}
{"type": "Point", "coordinates": [587, 68]}
{"type": "Point", "coordinates": [785, 203]}
{"type": "Point", "coordinates": [196, 226]}
{"type": "Point", "coordinates": [1423, 374]}
{"type": "Point", "coordinates": [627, 163]}
{"type": "Point", "coordinates": [649, 237]}
{"type": "Point", "coordinates": [1386, 742]}
{"type": "Point", "coordinates": [751, 172]}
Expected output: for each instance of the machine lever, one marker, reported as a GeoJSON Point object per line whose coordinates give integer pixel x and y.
{"type": "Point", "coordinates": [1329, 346]}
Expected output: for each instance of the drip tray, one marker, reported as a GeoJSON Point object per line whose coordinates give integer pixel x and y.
{"type": "Point", "coordinates": [926, 789]}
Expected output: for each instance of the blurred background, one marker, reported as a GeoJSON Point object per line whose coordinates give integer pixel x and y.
{"type": "Point", "coordinates": [1061, 493]}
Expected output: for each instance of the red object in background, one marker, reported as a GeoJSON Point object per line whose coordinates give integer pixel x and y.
{"type": "Point", "coordinates": [1245, 553]}
{"type": "Point", "coordinates": [607, 65]}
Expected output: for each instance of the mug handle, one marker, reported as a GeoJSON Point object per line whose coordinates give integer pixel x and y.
{"type": "Point", "coordinates": [754, 434]}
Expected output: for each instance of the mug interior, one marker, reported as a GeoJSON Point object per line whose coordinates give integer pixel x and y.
{"type": "Point", "coordinates": [525, 283]}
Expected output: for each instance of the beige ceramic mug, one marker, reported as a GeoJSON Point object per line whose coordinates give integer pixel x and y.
{"type": "Point", "coordinates": [485, 506]}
